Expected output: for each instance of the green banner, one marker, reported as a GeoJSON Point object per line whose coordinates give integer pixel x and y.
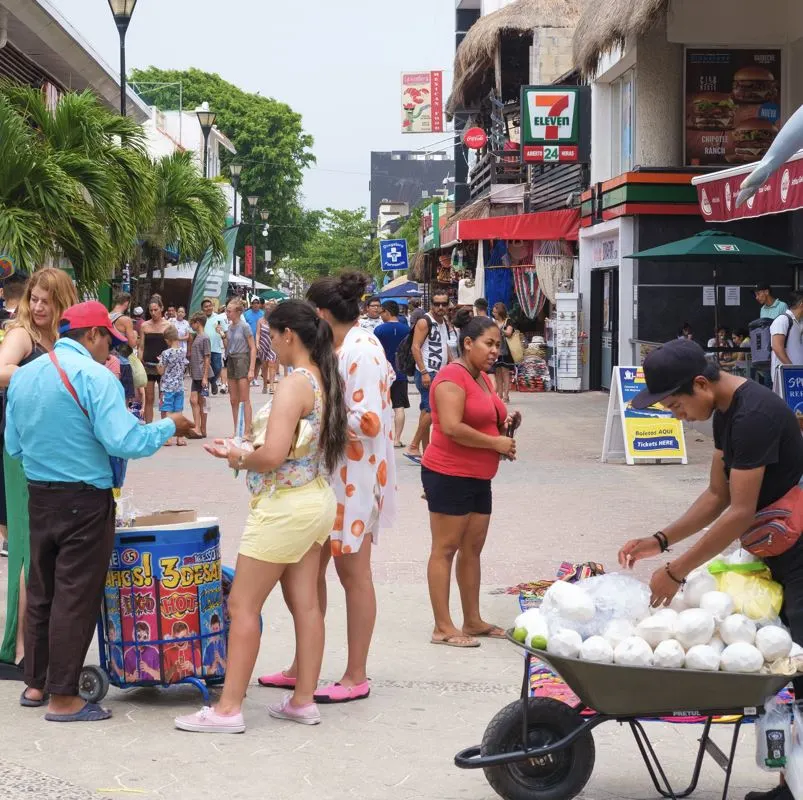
{"type": "Point", "coordinates": [212, 276]}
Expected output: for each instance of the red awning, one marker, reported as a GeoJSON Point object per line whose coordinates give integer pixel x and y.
{"type": "Point", "coordinates": [716, 193]}
{"type": "Point", "coordinates": [541, 226]}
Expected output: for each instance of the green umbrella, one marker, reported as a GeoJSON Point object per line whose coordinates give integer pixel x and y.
{"type": "Point", "coordinates": [716, 247]}
{"type": "Point", "coordinates": [272, 294]}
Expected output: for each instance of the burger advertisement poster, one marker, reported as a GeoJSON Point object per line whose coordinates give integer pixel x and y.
{"type": "Point", "coordinates": [733, 106]}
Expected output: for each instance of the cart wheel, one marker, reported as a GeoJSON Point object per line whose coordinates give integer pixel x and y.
{"type": "Point", "coordinates": [558, 776]}
{"type": "Point", "coordinates": [93, 685]}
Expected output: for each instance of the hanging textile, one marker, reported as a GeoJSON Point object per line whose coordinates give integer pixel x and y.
{"type": "Point", "coordinates": [499, 255]}
{"type": "Point", "coordinates": [479, 274]}
{"type": "Point", "coordinates": [554, 264]}
{"type": "Point", "coordinates": [499, 287]}
{"type": "Point", "coordinates": [528, 291]}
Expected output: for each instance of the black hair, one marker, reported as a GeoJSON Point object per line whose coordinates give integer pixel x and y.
{"type": "Point", "coordinates": [76, 334]}
{"type": "Point", "coordinates": [374, 298]}
{"type": "Point", "coordinates": [316, 335]}
{"type": "Point", "coordinates": [482, 303]}
{"type": "Point", "coordinates": [392, 307]}
{"type": "Point", "coordinates": [763, 287]}
{"type": "Point", "coordinates": [214, 620]}
{"type": "Point", "coordinates": [711, 373]}
{"type": "Point", "coordinates": [795, 299]}
{"type": "Point", "coordinates": [14, 286]}
{"type": "Point", "coordinates": [685, 326]}
{"type": "Point", "coordinates": [439, 293]}
{"type": "Point", "coordinates": [743, 332]}
{"type": "Point", "coordinates": [470, 327]}
{"type": "Point", "coordinates": [339, 294]}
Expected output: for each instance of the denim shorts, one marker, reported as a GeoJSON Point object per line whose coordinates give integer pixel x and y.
{"type": "Point", "coordinates": [172, 402]}
{"type": "Point", "coordinates": [424, 390]}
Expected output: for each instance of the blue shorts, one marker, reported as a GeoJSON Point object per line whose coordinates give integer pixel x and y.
{"type": "Point", "coordinates": [172, 402]}
{"type": "Point", "coordinates": [424, 391]}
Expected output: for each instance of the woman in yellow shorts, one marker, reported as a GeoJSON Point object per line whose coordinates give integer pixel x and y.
{"type": "Point", "coordinates": [299, 436]}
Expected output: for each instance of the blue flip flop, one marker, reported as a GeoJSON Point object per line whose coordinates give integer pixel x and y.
{"type": "Point", "coordinates": [91, 712]}
{"type": "Point", "coordinates": [27, 702]}
{"type": "Point", "coordinates": [414, 459]}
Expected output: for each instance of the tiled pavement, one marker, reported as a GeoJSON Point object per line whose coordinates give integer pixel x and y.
{"type": "Point", "coordinates": [557, 502]}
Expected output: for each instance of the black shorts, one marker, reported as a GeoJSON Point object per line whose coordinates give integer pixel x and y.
{"type": "Point", "coordinates": [197, 386]}
{"type": "Point", "coordinates": [398, 394]}
{"type": "Point", "coordinates": [456, 496]}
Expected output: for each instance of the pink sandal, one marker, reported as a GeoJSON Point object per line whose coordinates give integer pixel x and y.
{"type": "Point", "coordinates": [277, 681]}
{"type": "Point", "coordinates": [337, 693]}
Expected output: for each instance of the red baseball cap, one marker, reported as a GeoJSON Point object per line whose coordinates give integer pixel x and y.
{"type": "Point", "coordinates": [90, 314]}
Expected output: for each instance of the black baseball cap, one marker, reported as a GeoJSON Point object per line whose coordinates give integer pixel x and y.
{"type": "Point", "coordinates": [667, 368]}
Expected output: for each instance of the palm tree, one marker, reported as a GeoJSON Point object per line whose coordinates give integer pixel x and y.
{"type": "Point", "coordinates": [74, 180]}
{"type": "Point", "coordinates": [189, 214]}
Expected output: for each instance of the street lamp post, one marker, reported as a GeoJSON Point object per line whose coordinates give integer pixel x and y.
{"type": "Point", "coordinates": [122, 11]}
{"type": "Point", "coordinates": [234, 171]}
{"type": "Point", "coordinates": [265, 216]}
{"type": "Point", "coordinates": [206, 119]}
{"type": "Point", "coordinates": [253, 200]}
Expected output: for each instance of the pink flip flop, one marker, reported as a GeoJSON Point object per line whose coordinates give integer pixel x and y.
{"type": "Point", "coordinates": [337, 693]}
{"type": "Point", "coordinates": [277, 681]}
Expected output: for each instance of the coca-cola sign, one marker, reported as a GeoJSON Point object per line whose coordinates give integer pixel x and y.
{"type": "Point", "coordinates": [475, 138]}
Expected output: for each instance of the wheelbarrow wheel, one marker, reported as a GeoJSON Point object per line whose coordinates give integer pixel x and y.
{"type": "Point", "coordinates": [558, 776]}
{"type": "Point", "coordinates": [93, 684]}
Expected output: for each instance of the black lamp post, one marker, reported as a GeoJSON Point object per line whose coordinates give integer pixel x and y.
{"type": "Point", "coordinates": [206, 120]}
{"type": "Point", "coordinates": [234, 171]}
{"type": "Point", "coordinates": [122, 11]}
{"type": "Point", "coordinates": [253, 200]}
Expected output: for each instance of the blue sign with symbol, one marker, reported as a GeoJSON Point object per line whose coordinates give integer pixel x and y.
{"type": "Point", "coordinates": [792, 387]}
{"type": "Point", "coordinates": [393, 254]}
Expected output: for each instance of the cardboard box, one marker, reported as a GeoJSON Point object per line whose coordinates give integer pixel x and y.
{"type": "Point", "coordinates": [166, 518]}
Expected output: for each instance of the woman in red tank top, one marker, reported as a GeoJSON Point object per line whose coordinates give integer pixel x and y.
{"type": "Point", "coordinates": [469, 435]}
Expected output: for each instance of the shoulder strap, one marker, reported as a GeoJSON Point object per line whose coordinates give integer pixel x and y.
{"type": "Point", "coordinates": [66, 381]}
{"type": "Point", "coordinates": [791, 318]}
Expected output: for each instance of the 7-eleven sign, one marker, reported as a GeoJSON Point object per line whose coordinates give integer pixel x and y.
{"type": "Point", "coordinates": [550, 126]}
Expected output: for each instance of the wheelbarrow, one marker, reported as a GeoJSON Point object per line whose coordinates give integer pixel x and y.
{"type": "Point", "coordinates": [538, 748]}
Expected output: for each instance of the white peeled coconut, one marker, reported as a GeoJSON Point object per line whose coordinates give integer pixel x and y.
{"type": "Point", "coordinates": [702, 657]}
{"type": "Point", "coordinates": [718, 603]}
{"type": "Point", "coordinates": [669, 654]}
{"type": "Point", "coordinates": [796, 651]}
{"type": "Point", "coordinates": [737, 628]}
{"type": "Point", "coordinates": [534, 622]}
{"type": "Point", "coordinates": [657, 628]}
{"type": "Point", "coordinates": [617, 630]}
{"type": "Point", "coordinates": [717, 644]}
{"type": "Point", "coordinates": [741, 657]}
{"type": "Point", "coordinates": [678, 602]}
{"type": "Point", "coordinates": [633, 652]}
{"type": "Point", "coordinates": [569, 601]}
{"type": "Point", "coordinates": [597, 649]}
{"type": "Point", "coordinates": [774, 642]}
{"type": "Point", "coordinates": [698, 583]}
{"type": "Point", "coordinates": [694, 626]}
{"type": "Point", "coordinates": [565, 642]}
{"type": "Point", "coordinates": [740, 556]}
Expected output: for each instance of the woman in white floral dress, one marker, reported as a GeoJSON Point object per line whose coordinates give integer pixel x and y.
{"type": "Point", "coordinates": [364, 482]}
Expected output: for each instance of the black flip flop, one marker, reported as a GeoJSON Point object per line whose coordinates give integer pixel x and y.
{"type": "Point", "coordinates": [91, 712]}
{"type": "Point", "coordinates": [27, 702]}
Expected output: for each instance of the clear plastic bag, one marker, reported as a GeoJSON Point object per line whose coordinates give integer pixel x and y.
{"type": "Point", "coordinates": [773, 736]}
{"type": "Point", "coordinates": [750, 585]}
{"type": "Point", "coordinates": [793, 773]}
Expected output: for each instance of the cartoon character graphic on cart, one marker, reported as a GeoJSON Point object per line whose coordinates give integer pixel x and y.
{"type": "Point", "coordinates": [115, 651]}
{"type": "Point", "coordinates": [215, 652]}
{"type": "Point", "coordinates": [180, 657]}
{"type": "Point", "coordinates": [142, 662]}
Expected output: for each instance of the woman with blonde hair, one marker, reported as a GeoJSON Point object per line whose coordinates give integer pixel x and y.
{"type": "Point", "coordinates": [33, 332]}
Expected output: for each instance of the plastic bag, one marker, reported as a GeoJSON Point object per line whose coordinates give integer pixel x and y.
{"type": "Point", "coordinates": [773, 736]}
{"type": "Point", "coordinates": [138, 374]}
{"type": "Point", "coordinates": [793, 773]}
{"type": "Point", "coordinates": [751, 587]}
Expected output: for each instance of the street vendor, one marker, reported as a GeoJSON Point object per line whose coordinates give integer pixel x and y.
{"type": "Point", "coordinates": [757, 466]}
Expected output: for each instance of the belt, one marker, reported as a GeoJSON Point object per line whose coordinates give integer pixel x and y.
{"type": "Point", "coordinates": [75, 486]}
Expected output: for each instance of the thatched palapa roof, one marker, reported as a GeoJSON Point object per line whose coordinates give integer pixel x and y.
{"type": "Point", "coordinates": [606, 24]}
{"type": "Point", "coordinates": [474, 60]}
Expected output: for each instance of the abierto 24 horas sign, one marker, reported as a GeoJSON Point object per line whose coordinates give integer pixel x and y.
{"type": "Point", "coordinates": [555, 124]}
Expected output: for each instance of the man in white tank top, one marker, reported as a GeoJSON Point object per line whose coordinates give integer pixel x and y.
{"type": "Point", "coordinates": [430, 351]}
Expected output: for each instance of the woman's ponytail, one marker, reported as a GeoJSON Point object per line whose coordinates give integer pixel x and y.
{"type": "Point", "coordinates": [334, 425]}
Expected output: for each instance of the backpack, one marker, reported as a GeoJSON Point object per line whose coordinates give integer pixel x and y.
{"type": "Point", "coordinates": [405, 363]}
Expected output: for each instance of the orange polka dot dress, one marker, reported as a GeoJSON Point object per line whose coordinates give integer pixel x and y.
{"type": "Point", "coordinates": [365, 482]}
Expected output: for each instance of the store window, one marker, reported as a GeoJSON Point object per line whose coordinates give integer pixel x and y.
{"type": "Point", "coordinates": [623, 123]}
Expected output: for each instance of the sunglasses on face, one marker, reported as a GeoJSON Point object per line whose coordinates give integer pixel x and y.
{"type": "Point", "coordinates": [440, 305]}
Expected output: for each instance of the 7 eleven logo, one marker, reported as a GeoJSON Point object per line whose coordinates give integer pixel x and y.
{"type": "Point", "coordinates": [552, 115]}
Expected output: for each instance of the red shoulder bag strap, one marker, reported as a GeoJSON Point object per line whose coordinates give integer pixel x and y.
{"type": "Point", "coordinates": [66, 381]}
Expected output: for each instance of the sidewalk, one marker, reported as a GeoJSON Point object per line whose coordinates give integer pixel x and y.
{"type": "Point", "coordinates": [556, 503]}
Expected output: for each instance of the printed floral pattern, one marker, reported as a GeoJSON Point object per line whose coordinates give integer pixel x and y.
{"type": "Point", "coordinates": [294, 472]}
{"type": "Point", "coordinates": [365, 483]}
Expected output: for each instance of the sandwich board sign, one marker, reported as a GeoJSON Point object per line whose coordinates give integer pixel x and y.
{"type": "Point", "coordinates": [640, 437]}
{"type": "Point", "coordinates": [792, 388]}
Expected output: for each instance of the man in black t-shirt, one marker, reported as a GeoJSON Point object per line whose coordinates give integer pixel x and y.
{"type": "Point", "coordinates": [758, 458]}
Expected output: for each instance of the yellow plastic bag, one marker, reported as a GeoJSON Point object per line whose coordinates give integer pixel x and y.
{"type": "Point", "coordinates": [751, 587]}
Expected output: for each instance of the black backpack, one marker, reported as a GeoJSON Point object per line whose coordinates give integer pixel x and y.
{"type": "Point", "coordinates": [405, 363]}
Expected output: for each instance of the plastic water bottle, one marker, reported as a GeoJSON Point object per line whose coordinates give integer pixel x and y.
{"type": "Point", "coordinates": [773, 736]}
{"type": "Point", "coordinates": [205, 400]}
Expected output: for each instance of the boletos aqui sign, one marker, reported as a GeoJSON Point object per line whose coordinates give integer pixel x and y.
{"type": "Point", "coordinates": [555, 124]}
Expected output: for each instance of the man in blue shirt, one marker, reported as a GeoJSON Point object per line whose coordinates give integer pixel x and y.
{"type": "Point", "coordinates": [65, 415]}
{"type": "Point", "coordinates": [252, 316]}
{"type": "Point", "coordinates": [771, 307]}
{"type": "Point", "coordinates": [391, 333]}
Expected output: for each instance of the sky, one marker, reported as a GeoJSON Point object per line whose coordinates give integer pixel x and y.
{"type": "Point", "coordinates": [336, 63]}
